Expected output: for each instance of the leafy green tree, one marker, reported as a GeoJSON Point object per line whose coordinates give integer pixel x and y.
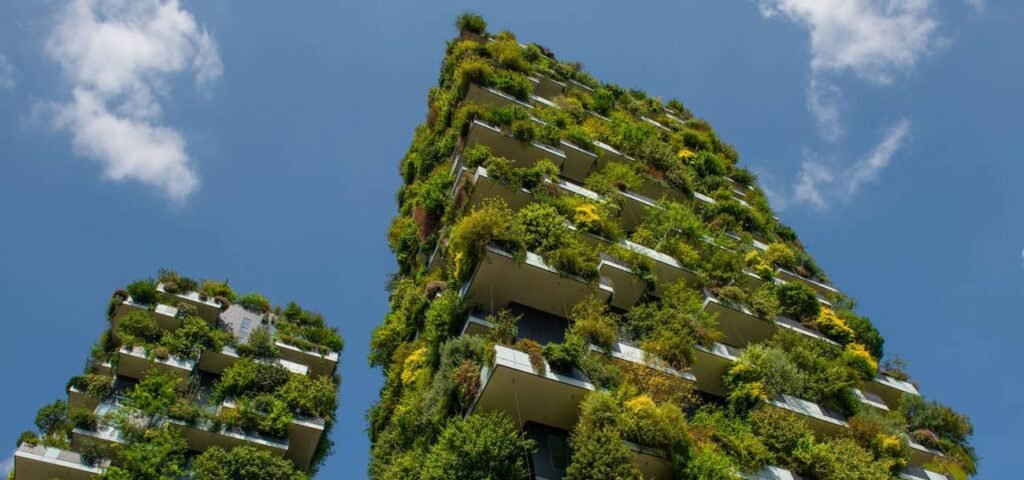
{"type": "Point", "coordinates": [488, 446]}
{"type": "Point", "coordinates": [159, 456]}
{"type": "Point", "coordinates": [597, 442]}
{"type": "Point", "coordinates": [243, 463]}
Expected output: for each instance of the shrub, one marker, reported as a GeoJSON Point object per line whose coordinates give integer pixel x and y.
{"type": "Point", "coordinates": [764, 303]}
{"type": "Point", "coordinates": [255, 302]}
{"type": "Point", "coordinates": [193, 337]}
{"type": "Point", "coordinates": [315, 397]}
{"type": "Point", "coordinates": [781, 432]}
{"type": "Point", "coordinates": [534, 351]}
{"type": "Point", "coordinates": [859, 359]}
{"type": "Point", "coordinates": [82, 418]}
{"type": "Point", "coordinates": [264, 413]}
{"type": "Point", "coordinates": [138, 326]}
{"type": "Point", "coordinates": [598, 450]}
{"type": "Point", "coordinates": [524, 130]}
{"type": "Point", "coordinates": [504, 326]}
{"type": "Point", "coordinates": [161, 455]}
{"type": "Point", "coordinates": [260, 344]}
{"type": "Point", "coordinates": [243, 462]}
{"type": "Point", "coordinates": [592, 321]}
{"type": "Point", "coordinates": [143, 292]}
{"type": "Point", "coordinates": [93, 385]}
{"type": "Point", "coordinates": [29, 438]}
{"type": "Point", "coordinates": [249, 377]}
{"type": "Point", "coordinates": [154, 394]}
{"type": "Point", "coordinates": [216, 288]}
{"type": "Point", "coordinates": [732, 435]}
{"type": "Point", "coordinates": [492, 223]}
{"type": "Point", "coordinates": [708, 462]}
{"type": "Point", "coordinates": [797, 301]}
{"type": "Point", "coordinates": [834, 327]}
{"type": "Point", "coordinates": [841, 459]}
{"type": "Point", "coordinates": [486, 446]}
{"type": "Point", "coordinates": [563, 357]}
{"type": "Point", "coordinates": [671, 327]}
{"type": "Point", "coordinates": [471, 22]}
{"type": "Point", "coordinates": [507, 53]}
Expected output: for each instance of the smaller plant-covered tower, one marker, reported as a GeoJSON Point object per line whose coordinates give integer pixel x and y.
{"type": "Point", "coordinates": [189, 380]}
{"type": "Point", "coordinates": [590, 286]}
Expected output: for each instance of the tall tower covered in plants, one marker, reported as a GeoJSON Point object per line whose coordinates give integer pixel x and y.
{"type": "Point", "coordinates": [191, 380]}
{"type": "Point", "coordinates": [590, 286]}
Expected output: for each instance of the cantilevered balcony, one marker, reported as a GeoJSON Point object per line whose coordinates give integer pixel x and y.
{"type": "Point", "coordinates": [890, 389]}
{"type": "Point", "coordinates": [133, 362]}
{"type": "Point", "coordinates": [634, 208]}
{"type": "Point", "coordinates": [710, 364]}
{"type": "Point", "coordinates": [492, 97]}
{"type": "Point", "coordinates": [737, 323]}
{"type": "Point", "coordinates": [216, 362]}
{"type": "Point", "coordinates": [202, 435]}
{"type": "Point", "coordinates": [80, 399]}
{"type": "Point", "coordinates": [44, 463]}
{"type": "Point", "coordinates": [627, 285]}
{"type": "Point", "coordinates": [921, 455]}
{"type": "Point", "coordinates": [821, 420]}
{"type": "Point", "coordinates": [320, 363]}
{"type": "Point", "coordinates": [741, 326]}
{"type": "Point", "coordinates": [823, 290]}
{"type": "Point", "coordinates": [304, 435]}
{"type": "Point", "coordinates": [546, 87]}
{"type": "Point", "coordinates": [551, 457]}
{"type": "Point", "coordinates": [512, 386]}
{"type": "Point", "coordinates": [913, 472]}
{"type": "Point", "coordinates": [206, 307]}
{"type": "Point", "coordinates": [522, 154]}
{"type": "Point", "coordinates": [105, 437]}
{"type": "Point", "coordinates": [166, 316]}
{"type": "Point", "coordinates": [499, 281]}
{"type": "Point", "coordinates": [621, 353]}
{"type": "Point", "coordinates": [870, 399]}
{"type": "Point", "coordinates": [481, 186]}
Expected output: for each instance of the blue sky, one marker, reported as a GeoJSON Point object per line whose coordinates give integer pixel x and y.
{"type": "Point", "coordinates": [260, 143]}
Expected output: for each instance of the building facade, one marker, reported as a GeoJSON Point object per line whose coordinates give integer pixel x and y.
{"type": "Point", "coordinates": [590, 286]}
{"type": "Point", "coordinates": [190, 380]}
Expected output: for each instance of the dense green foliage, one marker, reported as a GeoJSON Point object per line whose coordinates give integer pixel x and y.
{"type": "Point", "coordinates": [253, 395]}
{"type": "Point", "coordinates": [697, 208]}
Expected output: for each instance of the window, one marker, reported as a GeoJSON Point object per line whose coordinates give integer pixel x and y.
{"type": "Point", "coordinates": [559, 450]}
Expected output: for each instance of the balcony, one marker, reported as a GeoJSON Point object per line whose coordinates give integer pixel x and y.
{"type": "Point", "coordinates": [738, 324]}
{"type": "Point", "coordinates": [634, 208]}
{"type": "Point", "coordinates": [206, 307]}
{"type": "Point", "coordinates": [512, 386]}
{"type": "Point", "coordinates": [546, 87]}
{"type": "Point", "coordinates": [320, 364]}
{"type": "Point", "coordinates": [870, 399]}
{"type": "Point", "coordinates": [823, 290]}
{"type": "Point", "coordinates": [43, 463]}
{"type": "Point", "coordinates": [579, 162]}
{"type": "Point", "coordinates": [917, 473]}
{"type": "Point", "coordinates": [771, 473]}
{"type": "Point", "coordinates": [622, 353]}
{"type": "Point", "coordinates": [216, 362]}
{"type": "Point", "coordinates": [922, 455]}
{"type": "Point", "coordinates": [499, 281]}
{"type": "Point", "coordinates": [522, 154]}
{"type": "Point", "coordinates": [822, 421]}
{"type": "Point", "coordinates": [652, 462]}
{"type": "Point", "coordinates": [483, 187]}
{"type": "Point", "coordinates": [133, 362]}
{"type": "Point", "coordinates": [80, 399]}
{"type": "Point", "coordinates": [710, 365]}
{"type": "Point", "coordinates": [628, 287]}
{"type": "Point", "coordinates": [106, 437]}
{"type": "Point", "coordinates": [890, 389]}
{"type": "Point", "coordinates": [166, 316]}
{"type": "Point", "coordinates": [201, 436]}
{"type": "Point", "coordinates": [491, 97]}
{"type": "Point", "coordinates": [656, 124]}
{"type": "Point", "coordinates": [741, 326]}
{"type": "Point", "coordinates": [303, 437]}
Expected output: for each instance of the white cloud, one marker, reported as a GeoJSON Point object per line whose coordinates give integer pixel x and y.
{"type": "Point", "coordinates": [977, 5]}
{"type": "Point", "coordinates": [7, 81]}
{"type": "Point", "coordinates": [872, 39]}
{"type": "Point", "coordinates": [119, 55]}
{"type": "Point", "coordinates": [819, 182]}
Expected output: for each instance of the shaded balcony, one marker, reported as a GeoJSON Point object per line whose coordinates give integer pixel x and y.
{"type": "Point", "coordinates": [44, 463]}
{"type": "Point", "coordinates": [499, 281]}
{"type": "Point", "coordinates": [134, 362]}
